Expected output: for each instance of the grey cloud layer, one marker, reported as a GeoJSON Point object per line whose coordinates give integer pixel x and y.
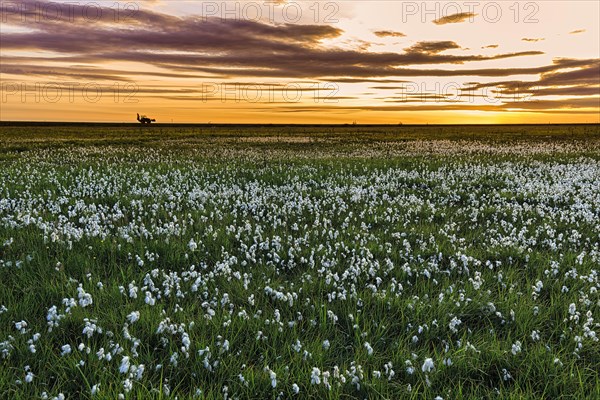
{"type": "Point", "coordinates": [228, 47]}
{"type": "Point", "coordinates": [197, 47]}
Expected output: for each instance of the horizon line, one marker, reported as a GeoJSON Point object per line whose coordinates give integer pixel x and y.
{"type": "Point", "coordinates": [172, 124]}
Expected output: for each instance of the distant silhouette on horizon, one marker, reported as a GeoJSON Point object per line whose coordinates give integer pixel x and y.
{"type": "Point", "coordinates": [145, 120]}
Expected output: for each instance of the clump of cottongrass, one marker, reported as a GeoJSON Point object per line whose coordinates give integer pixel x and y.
{"type": "Point", "coordinates": [428, 365]}
{"type": "Point", "coordinates": [272, 376]}
{"type": "Point", "coordinates": [315, 376]}
{"type": "Point", "coordinates": [368, 348]}
{"type": "Point", "coordinates": [124, 368]}
{"type": "Point", "coordinates": [66, 349]}
{"type": "Point", "coordinates": [133, 317]}
{"type": "Point", "coordinates": [516, 348]}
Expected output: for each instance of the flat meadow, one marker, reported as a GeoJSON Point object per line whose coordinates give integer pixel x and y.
{"type": "Point", "coordinates": [282, 262]}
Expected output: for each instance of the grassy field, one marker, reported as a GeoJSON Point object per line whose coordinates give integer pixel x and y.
{"type": "Point", "coordinates": [299, 262]}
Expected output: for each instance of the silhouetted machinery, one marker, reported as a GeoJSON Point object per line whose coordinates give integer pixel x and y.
{"type": "Point", "coordinates": [145, 120]}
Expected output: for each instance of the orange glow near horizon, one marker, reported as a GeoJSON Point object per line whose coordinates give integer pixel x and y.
{"type": "Point", "coordinates": [371, 62]}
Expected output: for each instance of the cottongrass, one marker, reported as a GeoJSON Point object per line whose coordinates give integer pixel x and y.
{"type": "Point", "coordinates": [169, 276]}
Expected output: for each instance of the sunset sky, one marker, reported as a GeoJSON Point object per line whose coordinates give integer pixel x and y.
{"type": "Point", "coordinates": [301, 62]}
